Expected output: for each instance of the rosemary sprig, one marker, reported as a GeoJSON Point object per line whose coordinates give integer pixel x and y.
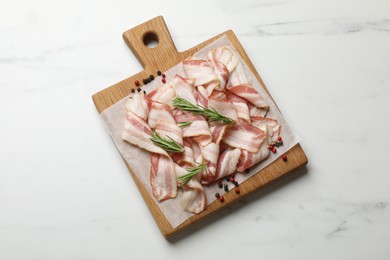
{"type": "Point", "coordinates": [168, 144]}
{"type": "Point", "coordinates": [212, 114]}
{"type": "Point", "coordinates": [184, 124]}
{"type": "Point", "coordinates": [193, 171]}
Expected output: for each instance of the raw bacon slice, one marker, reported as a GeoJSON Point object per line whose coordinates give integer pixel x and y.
{"type": "Point", "coordinates": [210, 154]}
{"type": "Point", "coordinates": [249, 93]}
{"type": "Point", "coordinates": [202, 97]}
{"type": "Point", "coordinates": [160, 111]}
{"type": "Point", "coordinates": [238, 76]}
{"type": "Point", "coordinates": [240, 105]}
{"type": "Point", "coordinates": [168, 129]}
{"type": "Point", "coordinates": [221, 72]}
{"type": "Point", "coordinates": [162, 177]}
{"type": "Point", "coordinates": [162, 120]}
{"type": "Point", "coordinates": [248, 159]}
{"type": "Point", "coordinates": [223, 147]}
{"type": "Point", "coordinates": [211, 86]}
{"type": "Point", "coordinates": [184, 88]}
{"type": "Point", "coordinates": [244, 136]}
{"type": "Point", "coordinates": [219, 102]}
{"type": "Point", "coordinates": [198, 129]}
{"type": "Point", "coordinates": [203, 140]}
{"type": "Point", "coordinates": [188, 154]}
{"type": "Point", "coordinates": [203, 74]}
{"type": "Point", "coordinates": [186, 157]}
{"type": "Point", "coordinates": [139, 105]}
{"type": "Point", "coordinates": [256, 111]}
{"type": "Point", "coordinates": [226, 56]}
{"type": "Point", "coordinates": [271, 125]}
{"type": "Point", "coordinates": [217, 132]}
{"type": "Point", "coordinates": [200, 70]}
{"type": "Point", "coordinates": [238, 83]}
{"type": "Point", "coordinates": [137, 132]}
{"type": "Point", "coordinates": [198, 157]}
{"type": "Point", "coordinates": [194, 197]}
{"type": "Point", "coordinates": [227, 164]}
{"type": "Point", "coordinates": [163, 94]}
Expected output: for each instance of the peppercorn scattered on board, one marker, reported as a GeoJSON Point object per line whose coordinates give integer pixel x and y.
{"type": "Point", "coordinates": [161, 58]}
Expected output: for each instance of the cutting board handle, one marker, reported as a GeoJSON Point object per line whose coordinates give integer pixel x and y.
{"type": "Point", "coordinates": [165, 52]}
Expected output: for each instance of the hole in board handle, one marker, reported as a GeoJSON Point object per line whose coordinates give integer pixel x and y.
{"type": "Point", "coordinates": [150, 40]}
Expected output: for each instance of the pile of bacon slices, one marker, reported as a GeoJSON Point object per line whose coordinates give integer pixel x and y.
{"type": "Point", "coordinates": [219, 83]}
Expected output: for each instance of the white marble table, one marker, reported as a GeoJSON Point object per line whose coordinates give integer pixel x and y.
{"type": "Point", "coordinates": [65, 193]}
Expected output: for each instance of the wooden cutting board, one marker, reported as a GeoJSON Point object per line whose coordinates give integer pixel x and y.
{"type": "Point", "coordinates": [163, 57]}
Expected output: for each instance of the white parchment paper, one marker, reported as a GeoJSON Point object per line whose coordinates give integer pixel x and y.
{"type": "Point", "coordinates": [139, 160]}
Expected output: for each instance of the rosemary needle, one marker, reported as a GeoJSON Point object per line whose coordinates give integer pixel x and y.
{"type": "Point", "coordinates": [191, 173]}
{"type": "Point", "coordinates": [168, 144]}
{"type": "Point", "coordinates": [184, 124]}
{"type": "Point", "coordinates": [212, 114]}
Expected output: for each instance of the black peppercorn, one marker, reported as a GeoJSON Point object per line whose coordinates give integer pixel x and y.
{"type": "Point", "coordinates": [226, 188]}
{"type": "Point", "coordinates": [132, 90]}
{"type": "Point", "coordinates": [247, 170]}
{"type": "Point", "coordinates": [144, 92]}
{"type": "Point", "coordinates": [217, 195]}
{"type": "Point", "coordinates": [227, 178]}
{"type": "Point", "coordinates": [151, 77]}
{"type": "Point", "coordinates": [220, 184]}
{"type": "Point", "coordinates": [159, 73]}
{"type": "Point", "coordinates": [139, 89]}
{"type": "Point", "coordinates": [235, 183]}
{"type": "Point", "coordinates": [145, 81]}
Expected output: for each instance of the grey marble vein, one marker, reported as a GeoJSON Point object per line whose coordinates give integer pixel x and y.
{"type": "Point", "coordinates": [326, 27]}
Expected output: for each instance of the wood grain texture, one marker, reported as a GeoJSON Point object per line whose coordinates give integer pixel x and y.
{"type": "Point", "coordinates": [163, 57]}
